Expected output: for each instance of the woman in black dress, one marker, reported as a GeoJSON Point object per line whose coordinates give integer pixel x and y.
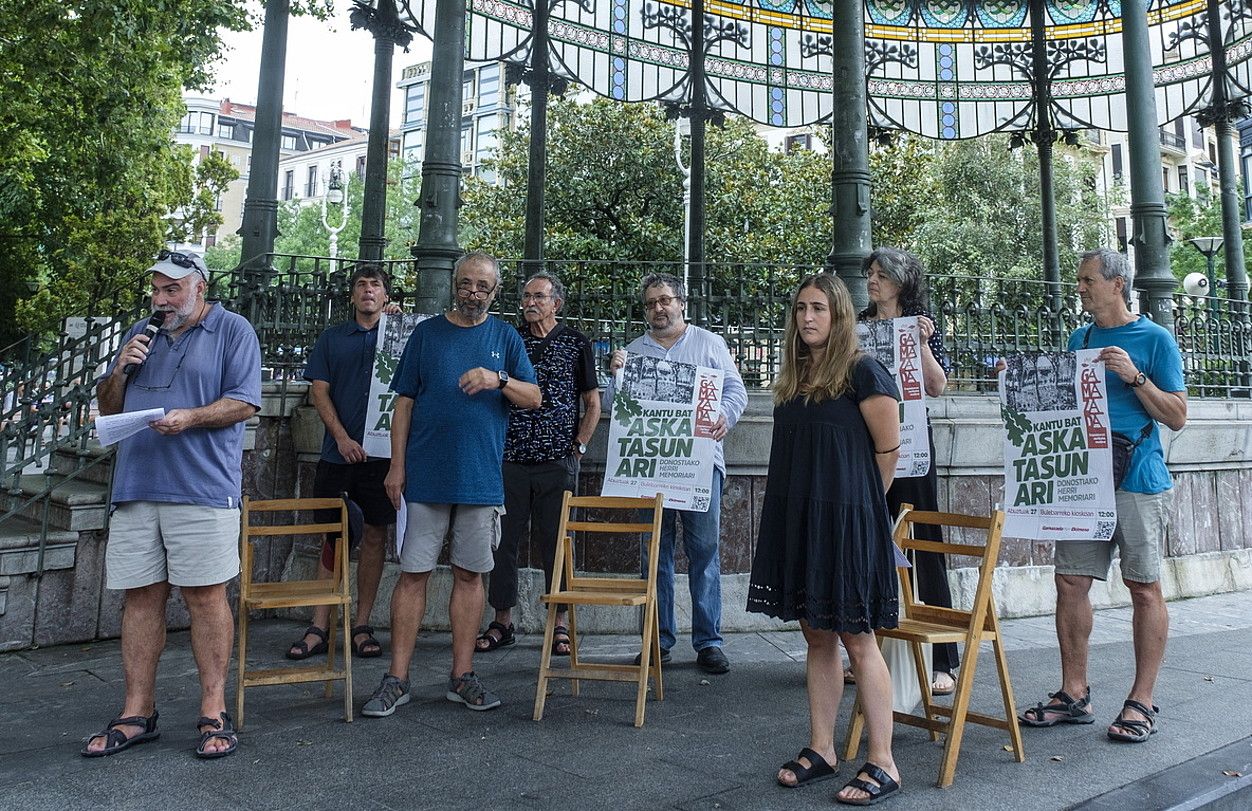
{"type": "Point", "coordinates": [894, 281]}
{"type": "Point", "coordinates": [824, 554]}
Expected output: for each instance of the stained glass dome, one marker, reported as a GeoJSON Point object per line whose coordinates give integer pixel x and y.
{"type": "Point", "coordinates": [946, 69]}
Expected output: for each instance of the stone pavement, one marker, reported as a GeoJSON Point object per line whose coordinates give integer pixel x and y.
{"type": "Point", "coordinates": [714, 743]}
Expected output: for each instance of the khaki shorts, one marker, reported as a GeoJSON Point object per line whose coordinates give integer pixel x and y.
{"type": "Point", "coordinates": [472, 531]}
{"type": "Point", "coordinates": [184, 544]}
{"type": "Point", "coordinates": [1142, 520]}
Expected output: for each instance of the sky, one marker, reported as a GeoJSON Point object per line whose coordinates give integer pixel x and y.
{"type": "Point", "coordinates": [329, 68]}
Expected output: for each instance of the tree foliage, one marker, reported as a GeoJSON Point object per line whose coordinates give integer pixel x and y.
{"type": "Point", "coordinates": [90, 93]}
{"type": "Point", "coordinates": [1200, 216]}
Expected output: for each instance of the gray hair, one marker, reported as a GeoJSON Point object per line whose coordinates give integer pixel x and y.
{"type": "Point", "coordinates": [658, 279]}
{"type": "Point", "coordinates": [1112, 265]}
{"type": "Point", "coordinates": [475, 258]}
{"type": "Point", "coordinates": [558, 289]}
{"type": "Point", "coordinates": [904, 270]}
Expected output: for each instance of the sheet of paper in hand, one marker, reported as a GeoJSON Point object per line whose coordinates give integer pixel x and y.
{"type": "Point", "coordinates": [660, 432]}
{"type": "Point", "coordinates": [1058, 461]}
{"type": "Point", "coordinates": [896, 342]}
{"type": "Point", "coordinates": [393, 335]}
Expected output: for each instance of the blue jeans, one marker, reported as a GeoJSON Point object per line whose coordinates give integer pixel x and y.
{"type": "Point", "coordinates": [701, 532]}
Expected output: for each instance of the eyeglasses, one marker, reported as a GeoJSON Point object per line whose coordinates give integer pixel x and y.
{"type": "Point", "coordinates": [535, 297]}
{"type": "Point", "coordinates": [465, 287]}
{"type": "Point", "coordinates": [181, 259]}
{"type": "Point", "coordinates": [662, 301]}
{"type": "Point", "coordinates": [159, 376]}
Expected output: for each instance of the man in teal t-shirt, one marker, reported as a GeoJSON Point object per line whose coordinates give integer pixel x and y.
{"type": "Point", "coordinates": [1145, 386]}
{"type": "Point", "coordinates": [455, 381]}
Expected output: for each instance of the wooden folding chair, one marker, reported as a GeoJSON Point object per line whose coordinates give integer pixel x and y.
{"type": "Point", "coordinates": [573, 590]}
{"type": "Point", "coordinates": [926, 624]}
{"type": "Point", "coordinates": [334, 592]}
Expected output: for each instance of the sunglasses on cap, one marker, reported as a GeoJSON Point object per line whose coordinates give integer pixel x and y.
{"type": "Point", "coordinates": [180, 259]}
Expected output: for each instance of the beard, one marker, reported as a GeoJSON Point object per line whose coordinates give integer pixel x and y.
{"type": "Point", "coordinates": [472, 308]}
{"type": "Point", "coordinates": [176, 317]}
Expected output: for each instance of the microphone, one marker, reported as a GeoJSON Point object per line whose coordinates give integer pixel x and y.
{"type": "Point", "coordinates": [154, 327]}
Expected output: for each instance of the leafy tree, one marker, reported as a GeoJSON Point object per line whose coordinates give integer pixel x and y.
{"type": "Point", "coordinates": [1198, 217]}
{"type": "Point", "coordinates": [91, 93]}
{"type": "Point", "coordinates": [207, 182]}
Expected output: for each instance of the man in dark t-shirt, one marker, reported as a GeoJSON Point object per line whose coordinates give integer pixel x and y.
{"type": "Point", "coordinates": [542, 450]}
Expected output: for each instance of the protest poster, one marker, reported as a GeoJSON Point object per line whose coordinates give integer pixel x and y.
{"type": "Point", "coordinates": [660, 432]}
{"type": "Point", "coordinates": [1058, 460]}
{"type": "Point", "coordinates": [393, 335]}
{"type": "Point", "coordinates": [896, 342]}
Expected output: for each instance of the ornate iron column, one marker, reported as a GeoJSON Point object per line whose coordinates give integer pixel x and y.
{"type": "Point", "coordinates": [538, 76]}
{"type": "Point", "coordinates": [1147, 196]}
{"type": "Point", "coordinates": [1221, 114]}
{"type": "Point", "coordinates": [1045, 136]}
{"type": "Point", "coordinates": [260, 207]}
{"type": "Point", "coordinates": [849, 178]}
{"type": "Point", "coordinates": [437, 248]}
{"type": "Point", "coordinates": [388, 30]}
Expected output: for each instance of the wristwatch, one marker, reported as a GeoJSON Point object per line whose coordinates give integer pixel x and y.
{"type": "Point", "coordinates": [1139, 380]}
{"type": "Point", "coordinates": [582, 448]}
{"type": "Point", "coordinates": [504, 378]}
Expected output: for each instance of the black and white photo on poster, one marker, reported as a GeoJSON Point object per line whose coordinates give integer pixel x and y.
{"type": "Point", "coordinates": [878, 339]}
{"type": "Point", "coordinates": [659, 380]}
{"type": "Point", "coordinates": [1041, 381]}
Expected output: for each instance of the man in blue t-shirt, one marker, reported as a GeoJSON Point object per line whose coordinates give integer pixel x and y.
{"type": "Point", "coordinates": [1145, 386]}
{"type": "Point", "coordinates": [176, 489]}
{"type": "Point", "coordinates": [455, 381]}
{"type": "Point", "coordinates": [339, 372]}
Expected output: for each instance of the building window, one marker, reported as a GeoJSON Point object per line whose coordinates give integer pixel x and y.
{"type": "Point", "coordinates": [1183, 180]}
{"type": "Point", "coordinates": [1120, 226]}
{"type": "Point", "coordinates": [289, 142]}
{"type": "Point", "coordinates": [415, 104]}
{"type": "Point", "coordinates": [310, 186]}
{"type": "Point", "coordinates": [217, 202]}
{"type": "Point", "coordinates": [794, 142]}
{"type": "Point", "coordinates": [486, 141]}
{"type": "Point", "coordinates": [1201, 181]}
{"type": "Point", "coordinates": [467, 142]}
{"type": "Point", "coordinates": [188, 124]}
{"type": "Point", "coordinates": [1165, 178]}
{"type": "Point", "coordinates": [467, 88]}
{"type": "Point", "coordinates": [204, 152]}
{"type": "Point", "coordinates": [1212, 152]}
{"type": "Point", "coordinates": [225, 130]}
{"type": "Point", "coordinates": [210, 239]}
{"type": "Point", "coordinates": [489, 86]}
{"type": "Point", "coordinates": [248, 171]}
{"type": "Point", "coordinates": [289, 184]}
{"type": "Point", "coordinates": [360, 166]}
{"type": "Point", "coordinates": [206, 124]}
{"type": "Point", "coordinates": [1116, 154]}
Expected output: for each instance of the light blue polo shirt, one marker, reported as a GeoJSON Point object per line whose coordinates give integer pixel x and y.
{"type": "Point", "coordinates": [219, 357]}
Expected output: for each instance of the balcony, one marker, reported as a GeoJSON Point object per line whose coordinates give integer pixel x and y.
{"type": "Point", "coordinates": [1173, 142]}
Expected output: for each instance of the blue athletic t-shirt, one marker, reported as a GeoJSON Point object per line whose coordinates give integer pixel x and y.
{"type": "Point", "coordinates": [456, 442]}
{"type": "Point", "coordinates": [1155, 353]}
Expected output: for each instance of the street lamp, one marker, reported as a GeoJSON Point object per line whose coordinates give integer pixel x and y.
{"type": "Point", "coordinates": [336, 196]}
{"type": "Point", "coordinates": [1208, 246]}
{"type": "Point", "coordinates": [682, 127]}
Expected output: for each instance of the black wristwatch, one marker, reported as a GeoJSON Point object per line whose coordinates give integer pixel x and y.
{"type": "Point", "coordinates": [1139, 380]}
{"type": "Point", "coordinates": [504, 378]}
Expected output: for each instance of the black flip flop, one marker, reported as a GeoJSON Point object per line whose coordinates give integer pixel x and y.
{"type": "Point", "coordinates": [817, 770]}
{"type": "Point", "coordinates": [222, 728]}
{"type": "Point", "coordinates": [1135, 731]}
{"type": "Point", "coordinates": [505, 639]}
{"type": "Point", "coordinates": [115, 740]}
{"type": "Point", "coordinates": [300, 650]}
{"type": "Point", "coordinates": [877, 793]}
{"type": "Point", "coordinates": [560, 636]}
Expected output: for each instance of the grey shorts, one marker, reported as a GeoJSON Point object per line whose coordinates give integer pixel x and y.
{"type": "Point", "coordinates": [1142, 520]}
{"type": "Point", "coordinates": [471, 530]}
{"type": "Point", "coordinates": [185, 544]}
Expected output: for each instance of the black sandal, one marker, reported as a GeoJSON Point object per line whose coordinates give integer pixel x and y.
{"type": "Point", "coordinates": [560, 636]}
{"type": "Point", "coordinates": [505, 638]}
{"type": "Point", "coordinates": [368, 647]}
{"type": "Point", "coordinates": [886, 786]}
{"type": "Point", "coordinates": [115, 740]}
{"type": "Point", "coordinates": [1135, 731]}
{"type": "Point", "coordinates": [817, 770]}
{"type": "Point", "coordinates": [1069, 711]}
{"type": "Point", "coordinates": [222, 728]}
{"type": "Point", "coordinates": [300, 649]}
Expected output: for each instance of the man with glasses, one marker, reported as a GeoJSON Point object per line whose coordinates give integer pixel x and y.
{"type": "Point", "coordinates": [176, 491]}
{"type": "Point", "coordinates": [670, 337]}
{"type": "Point", "coordinates": [339, 372]}
{"type": "Point", "coordinates": [454, 384]}
{"type": "Point", "coordinates": [542, 450]}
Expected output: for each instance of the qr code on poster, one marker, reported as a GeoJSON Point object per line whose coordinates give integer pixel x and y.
{"type": "Point", "coordinates": [919, 468]}
{"type": "Point", "coordinates": [1104, 530]}
{"type": "Point", "coordinates": [700, 504]}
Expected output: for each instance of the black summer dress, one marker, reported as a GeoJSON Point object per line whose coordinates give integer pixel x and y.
{"type": "Point", "coordinates": [824, 552]}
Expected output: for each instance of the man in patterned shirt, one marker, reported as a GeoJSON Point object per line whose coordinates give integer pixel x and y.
{"type": "Point", "coordinates": [542, 450]}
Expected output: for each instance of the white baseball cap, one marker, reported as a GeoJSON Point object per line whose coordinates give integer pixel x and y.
{"type": "Point", "coordinates": [177, 264]}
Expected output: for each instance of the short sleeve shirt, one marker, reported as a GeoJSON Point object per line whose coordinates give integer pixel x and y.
{"type": "Point", "coordinates": [219, 357]}
{"type": "Point", "coordinates": [455, 447]}
{"type": "Point", "coordinates": [565, 366]}
{"type": "Point", "coordinates": [343, 357]}
{"type": "Point", "coordinates": [1155, 353]}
